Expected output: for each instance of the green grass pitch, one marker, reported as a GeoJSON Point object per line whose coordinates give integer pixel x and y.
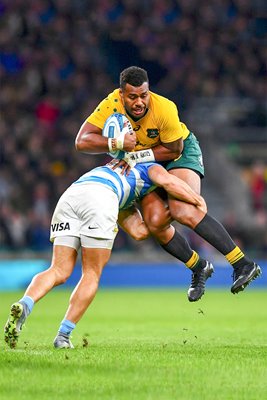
{"type": "Point", "coordinates": [142, 345]}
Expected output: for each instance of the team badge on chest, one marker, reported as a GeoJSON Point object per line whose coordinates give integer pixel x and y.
{"type": "Point", "coordinates": [152, 133]}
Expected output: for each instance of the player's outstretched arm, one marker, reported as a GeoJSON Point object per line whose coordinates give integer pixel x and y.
{"type": "Point", "coordinates": [176, 187]}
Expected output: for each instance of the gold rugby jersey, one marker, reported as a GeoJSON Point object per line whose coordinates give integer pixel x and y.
{"type": "Point", "coordinates": [161, 123]}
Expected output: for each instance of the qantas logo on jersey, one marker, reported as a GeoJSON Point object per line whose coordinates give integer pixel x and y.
{"type": "Point", "coordinates": [62, 226]}
{"type": "Point", "coordinates": [152, 133]}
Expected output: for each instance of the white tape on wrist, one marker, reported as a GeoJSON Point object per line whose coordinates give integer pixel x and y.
{"type": "Point", "coordinates": [130, 160]}
{"type": "Point", "coordinates": [142, 156]}
{"type": "Point", "coordinates": [115, 143]}
{"type": "Point", "coordinates": [110, 145]}
{"type": "Point", "coordinates": [119, 142]}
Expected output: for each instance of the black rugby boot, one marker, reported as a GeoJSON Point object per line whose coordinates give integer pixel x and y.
{"type": "Point", "coordinates": [199, 277]}
{"type": "Point", "coordinates": [242, 277]}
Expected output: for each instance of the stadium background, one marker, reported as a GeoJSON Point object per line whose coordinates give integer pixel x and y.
{"type": "Point", "coordinates": [60, 58]}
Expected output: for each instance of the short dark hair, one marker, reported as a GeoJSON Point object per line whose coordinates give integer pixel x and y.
{"type": "Point", "coordinates": [135, 76]}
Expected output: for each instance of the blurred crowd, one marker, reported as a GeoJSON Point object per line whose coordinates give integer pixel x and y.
{"type": "Point", "coordinates": [59, 58]}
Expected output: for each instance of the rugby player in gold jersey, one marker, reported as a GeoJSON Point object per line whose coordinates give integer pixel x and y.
{"type": "Point", "coordinates": [161, 136]}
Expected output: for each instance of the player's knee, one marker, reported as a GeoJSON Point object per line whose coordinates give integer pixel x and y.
{"type": "Point", "coordinates": [157, 223]}
{"type": "Point", "coordinates": [61, 277]}
{"type": "Point", "coordinates": [141, 233]}
{"type": "Point", "coordinates": [139, 236]}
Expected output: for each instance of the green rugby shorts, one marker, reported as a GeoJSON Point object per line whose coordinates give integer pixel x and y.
{"type": "Point", "coordinates": [191, 157]}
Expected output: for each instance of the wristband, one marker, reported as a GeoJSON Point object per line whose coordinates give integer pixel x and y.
{"type": "Point", "coordinates": [120, 142]}
{"type": "Point", "coordinates": [130, 160]}
{"type": "Point", "coordinates": [115, 143]}
{"type": "Point", "coordinates": [141, 156]}
{"type": "Point", "coordinates": [112, 145]}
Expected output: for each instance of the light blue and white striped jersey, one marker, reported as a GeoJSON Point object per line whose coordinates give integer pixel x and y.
{"type": "Point", "coordinates": [128, 188]}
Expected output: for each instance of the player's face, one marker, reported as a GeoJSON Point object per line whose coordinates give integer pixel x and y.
{"type": "Point", "coordinates": [135, 99]}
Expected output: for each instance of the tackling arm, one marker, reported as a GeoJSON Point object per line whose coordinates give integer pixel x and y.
{"type": "Point", "coordinates": [176, 187]}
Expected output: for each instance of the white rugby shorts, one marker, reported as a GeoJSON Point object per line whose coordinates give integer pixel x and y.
{"type": "Point", "coordinates": [88, 209]}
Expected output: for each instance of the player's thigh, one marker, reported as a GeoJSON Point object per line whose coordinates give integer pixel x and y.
{"type": "Point", "coordinates": [189, 176]}
{"type": "Point", "coordinates": [94, 259]}
{"type": "Point", "coordinates": [155, 211]}
{"type": "Point", "coordinates": [183, 212]}
{"type": "Point", "coordinates": [189, 166]}
{"type": "Point", "coordinates": [63, 260]}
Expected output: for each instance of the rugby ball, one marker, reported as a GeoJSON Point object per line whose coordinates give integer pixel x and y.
{"type": "Point", "coordinates": [116, 124]}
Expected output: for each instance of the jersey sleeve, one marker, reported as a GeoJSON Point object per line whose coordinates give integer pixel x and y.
{"type": "Point", "coordinates": [171, 126]}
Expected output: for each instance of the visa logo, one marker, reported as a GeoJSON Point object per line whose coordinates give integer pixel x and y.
{"type": "Point", "coordinates": [62, 226]}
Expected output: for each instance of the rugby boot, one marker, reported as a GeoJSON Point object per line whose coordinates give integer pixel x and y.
{"type": "Point", "coordinates": [62, 341]}
{"type": "Point", "coordinates": [17, 316]}
{"type": "Point", "coordinates": [242, 277]}
{"type": "Point", "coordinates": [197, 287]}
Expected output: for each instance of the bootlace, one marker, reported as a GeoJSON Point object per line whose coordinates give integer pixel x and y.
{"type": "Point", "coordinates": [198, 279]}
{"type": "Point", "coordinates": [236, 273]}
